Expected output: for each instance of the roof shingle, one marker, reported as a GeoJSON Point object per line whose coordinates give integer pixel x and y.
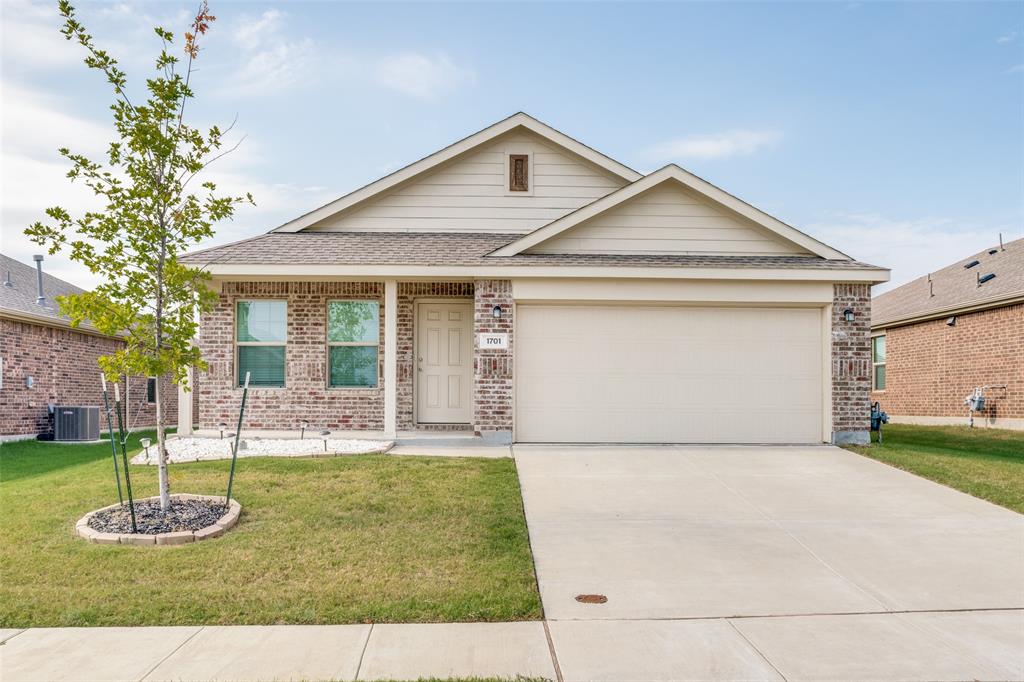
{"type": "Point", "coordinates": [21, 296]}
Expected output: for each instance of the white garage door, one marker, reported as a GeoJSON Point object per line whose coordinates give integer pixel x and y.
{"type": "Point", "coordinates": [644, 374]}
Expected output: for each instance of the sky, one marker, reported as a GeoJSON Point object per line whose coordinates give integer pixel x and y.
{"type": "Point", "coordinates": [892, 131]}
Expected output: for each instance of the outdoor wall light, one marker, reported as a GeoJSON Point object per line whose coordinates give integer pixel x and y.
{"type": "Point", "coordinates": [496, 312]}
{"type": "Point", "coordinates": [848, 315]}
{"type": "Point", "coordinates": [30, 382]}
{"type": "Point", "coordinates": [951, 322]}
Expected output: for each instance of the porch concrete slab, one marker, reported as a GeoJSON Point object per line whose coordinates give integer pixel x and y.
{"type": "Point", "coordinates": [95, 654]}
{"type": "Point", "coordinates": [924, 564]}
{"type": "Point", "coordinates": [719, 531]}
{"type": "Point", "coordinates": [655, 650]}
{"type": "Point", "coordinates": [443, 650]}
{"type": "Point", "coordinates": [248, 653]}
{"type": "Point", "coordinates": [453, 450]}
{"type": "Point", "coordinates": [862, 647]}
{"type": "Point", "coordinates": [994, 637]}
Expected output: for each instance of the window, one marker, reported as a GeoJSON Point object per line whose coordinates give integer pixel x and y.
{"type": "Point", "coordinates": [878, 363]}
{"type": "Point", "coordinates": [151, 390]}
{"type": "Point", "coordinates": [261, 329]}
{"type": "Point", "coordinates": [353, 337]}
{"type": "Point", "coordinates": [518, 172]}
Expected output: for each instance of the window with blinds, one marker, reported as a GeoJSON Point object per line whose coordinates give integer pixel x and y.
{"type": "Point", "coordinates": [353, 339]}
{"type": "Point", "coordinates": [261, 331]}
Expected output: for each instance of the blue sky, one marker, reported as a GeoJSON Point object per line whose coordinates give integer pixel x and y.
{"type": "Point", "coordinates": [893, 131]}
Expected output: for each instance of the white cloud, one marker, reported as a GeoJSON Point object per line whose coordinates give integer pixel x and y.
{"type": "Point", "coordinates": [716, 146]}
{"type": "Point", "coordinates": [270, 60]}
{"type": "Point", "coordinates": [1016, 68]}
{"type": "Point", "coordinates": [420, 75]}
{"type": "Point", "coordinates": [910, 248]}
{"type": "Point", "coordinates": [1007, 37]}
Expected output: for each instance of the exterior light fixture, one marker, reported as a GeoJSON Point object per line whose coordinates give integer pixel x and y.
{"type": "Point", "coordinates": [951, 322]}
{"type": "Point", "coordinates": [222, 426]}
{"type": "Point", "coordinates": [145, 446]}
{"type": "Point", "coordinates": [848, 315]}
{"type": "Point", "coordinates": [303, 424]}
{"type": "Point", "coordinates": [496, 312]}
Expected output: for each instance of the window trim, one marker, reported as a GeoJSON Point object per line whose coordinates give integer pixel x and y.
{"type": "Point", "coordinates": [331, 344]}
{"type": "Point", "coordinates": [874, 365]}
{"type": "Point", "coordinates": [283, 344]}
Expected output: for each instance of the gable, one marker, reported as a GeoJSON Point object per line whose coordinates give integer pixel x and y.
{"type": "Point", "coordinates": [631, 220]}
{"type": "Point", "coordinates": [668, 219]}
{"type": "Point", "coordinates": [470, 193]}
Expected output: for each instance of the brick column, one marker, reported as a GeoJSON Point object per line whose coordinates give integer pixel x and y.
{"type": "Point", "coordinates": [851, 364]}
{"type": "Point", "coordinates": [492, 367]}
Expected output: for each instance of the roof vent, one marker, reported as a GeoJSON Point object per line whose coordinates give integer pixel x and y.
{"type": "Point", "coordinates": [984, 278]}
{"type": "Point", "coordinates": [8, 282]}
{"type": "Point", "coordinates": [970, 265]}
{"type": "Point", "coordinates": [993, 252]}
{"type": "Point", "coordinates": [40, 299]}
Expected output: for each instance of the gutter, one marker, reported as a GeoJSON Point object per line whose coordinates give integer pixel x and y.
{"type": "Point", "coordinates": [49, 321]}
{"type": "Point", "coordinates": [1001, 302]}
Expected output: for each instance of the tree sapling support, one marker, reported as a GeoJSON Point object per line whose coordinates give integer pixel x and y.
{"type": "Point", "coordinates": [238, 435]}
{"type": "Point", "coordinates": [110, 432]}
{"type": "Point", "coordinates": [124, 454]}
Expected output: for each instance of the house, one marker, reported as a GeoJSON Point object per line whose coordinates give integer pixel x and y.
{"type": "Point", "coordinates": [936, 339]}
{"type": "Point", "coordinates": [43, 361]}
{"type": "Point", "coordinates": [523, 285]}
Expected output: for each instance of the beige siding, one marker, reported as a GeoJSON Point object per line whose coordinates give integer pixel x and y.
{"type": "Point", "coordinates": [668, 219]}
{"type": "Point", "coordinates": [470, 193]}
{"type": "Point", "coordinates": [669, 374]}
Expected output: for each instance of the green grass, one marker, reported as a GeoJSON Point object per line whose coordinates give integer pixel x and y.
{"type": "Point", "coordinates": [336, 540]}
{"type": "Point", "coordinates": [986, 463]}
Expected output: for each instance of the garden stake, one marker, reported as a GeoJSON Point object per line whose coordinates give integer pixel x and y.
{"type": "Point", "coordinates": [238, 435]}
{"type": "Point", "coordinates": [124, 454]}
{"type": "Point", "coordinates": [113, 448]}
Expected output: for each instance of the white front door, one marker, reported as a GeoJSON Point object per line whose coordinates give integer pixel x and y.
{"type": "Point", "coordinates": [444, 363]}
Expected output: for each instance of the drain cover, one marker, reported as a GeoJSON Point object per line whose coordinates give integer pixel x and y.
{"type": "Point", "coordinates": [591, 598]}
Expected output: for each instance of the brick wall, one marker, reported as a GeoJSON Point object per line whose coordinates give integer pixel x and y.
{"type": "Point", "coordinates": [931, 367]}
{"type": "Point", "coordinates": [64, 365]}
{"type": "Point", "coordinates": [408, 292]}
{"type": "Point", "coordinates": [305, 395]}
{"type": "Point", "coordinates": [492, 368]}
{"type": "Point", "coordinates": [851, 363]}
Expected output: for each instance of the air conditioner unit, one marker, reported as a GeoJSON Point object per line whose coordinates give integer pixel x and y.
{"type": "Point", "coordinates": [76, 423]}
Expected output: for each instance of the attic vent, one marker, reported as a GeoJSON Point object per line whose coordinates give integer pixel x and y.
{"type": "Point", "coordinates": [518, 172]}
{"type": "Point", "coordinates": [985, 278]}
{"type": "Point", "coordinates": [967, 266]}
{"type": "Point", "coordinates": [993, 252]}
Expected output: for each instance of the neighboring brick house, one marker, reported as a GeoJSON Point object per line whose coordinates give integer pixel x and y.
{"type": "Point", "coordinates": [525, 287]}
{"type": "Point", "coordinates": [44, 361]}
{"type": "Point", "coordinates": [941, 336]}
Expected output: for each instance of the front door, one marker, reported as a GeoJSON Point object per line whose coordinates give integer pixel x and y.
{"type": "Point", "coordinates": [444, 363]}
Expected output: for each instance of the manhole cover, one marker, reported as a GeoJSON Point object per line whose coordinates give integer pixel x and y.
{"type": "Point", "coordinates": [591, 598]}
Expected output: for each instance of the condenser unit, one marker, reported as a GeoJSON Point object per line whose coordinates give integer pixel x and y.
{"type": "Point", "coordinates": [76, 423]}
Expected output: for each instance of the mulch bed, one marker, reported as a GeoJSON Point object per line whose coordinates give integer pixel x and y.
{"type": "Point", "coordinates": [182, 516]}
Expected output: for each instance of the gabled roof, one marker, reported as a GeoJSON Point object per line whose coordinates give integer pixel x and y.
{"type": "Point", "coordinates": [672, 173]}
{"type": "Point", "coordinates": [519, 120]}
{"type": "Point", "coordinates": [955, 289]}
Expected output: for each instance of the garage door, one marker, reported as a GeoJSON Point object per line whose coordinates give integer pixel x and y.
{"type": "Point", "coordinates": [644, 374]}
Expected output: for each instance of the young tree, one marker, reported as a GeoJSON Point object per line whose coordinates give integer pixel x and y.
{"type": "Point", "coordinates": [149, 218]}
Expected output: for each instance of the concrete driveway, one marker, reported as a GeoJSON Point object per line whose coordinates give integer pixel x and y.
{"type": "Point", "coordinates": [774, 547]}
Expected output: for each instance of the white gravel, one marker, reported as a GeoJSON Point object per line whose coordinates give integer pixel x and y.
{"type": "Point", "coordinates": [204, 449]}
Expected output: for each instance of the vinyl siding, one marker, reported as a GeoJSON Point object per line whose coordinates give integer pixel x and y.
{"type": "Point", "coordinates": [668, 220]}
{"type": "Point", "coordinates": [470, 193]}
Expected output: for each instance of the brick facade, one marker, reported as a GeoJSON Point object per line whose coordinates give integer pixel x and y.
{"type": "Point", "coordinates": [64, 366]}
{"type": "Point", "coordinates": [851, 363]}
{"type": "Point", "coordinates": [931, 366]}
{"type": "Point", "coordinates": [492, 368]}
{"type": "Point", "coordinates": [305, 395]}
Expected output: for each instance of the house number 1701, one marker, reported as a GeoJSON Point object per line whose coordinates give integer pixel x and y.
{"type": "Point", "coordinates": [499, 341]}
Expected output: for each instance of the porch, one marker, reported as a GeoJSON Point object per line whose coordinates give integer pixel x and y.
{"type": "Point", "coordinates": [420, 369]}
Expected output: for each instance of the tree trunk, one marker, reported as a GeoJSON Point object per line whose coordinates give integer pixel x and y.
{"type": "Point", "coordinates": [161, 449]}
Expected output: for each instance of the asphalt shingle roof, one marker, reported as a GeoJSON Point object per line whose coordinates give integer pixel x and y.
{"type": "Point", "coordinates": [21, 297]}
{"type": "Point", "coordinates": [448, 248]}
{"type": "Point", "coordinates": [955, 286]}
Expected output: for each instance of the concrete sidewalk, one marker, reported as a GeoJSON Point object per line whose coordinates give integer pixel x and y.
{"type": "Point", "coordinates": [958, 645]}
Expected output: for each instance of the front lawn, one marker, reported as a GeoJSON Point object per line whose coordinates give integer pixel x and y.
{"type": "Point", "coordinates": [336, 540]}
{"type": "Point", "coordinates": [986, 463]}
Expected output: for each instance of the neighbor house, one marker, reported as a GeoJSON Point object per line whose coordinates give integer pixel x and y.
{"type": "Point", "coordinates": [524, 286]}
{"type": "Point", "coordinates": [44, 362]}
{"type": "Point", "coordinates": [936, 339]}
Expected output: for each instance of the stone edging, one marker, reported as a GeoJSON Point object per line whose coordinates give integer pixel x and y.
{"type": "Point", "coordinates": [177, 538]}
